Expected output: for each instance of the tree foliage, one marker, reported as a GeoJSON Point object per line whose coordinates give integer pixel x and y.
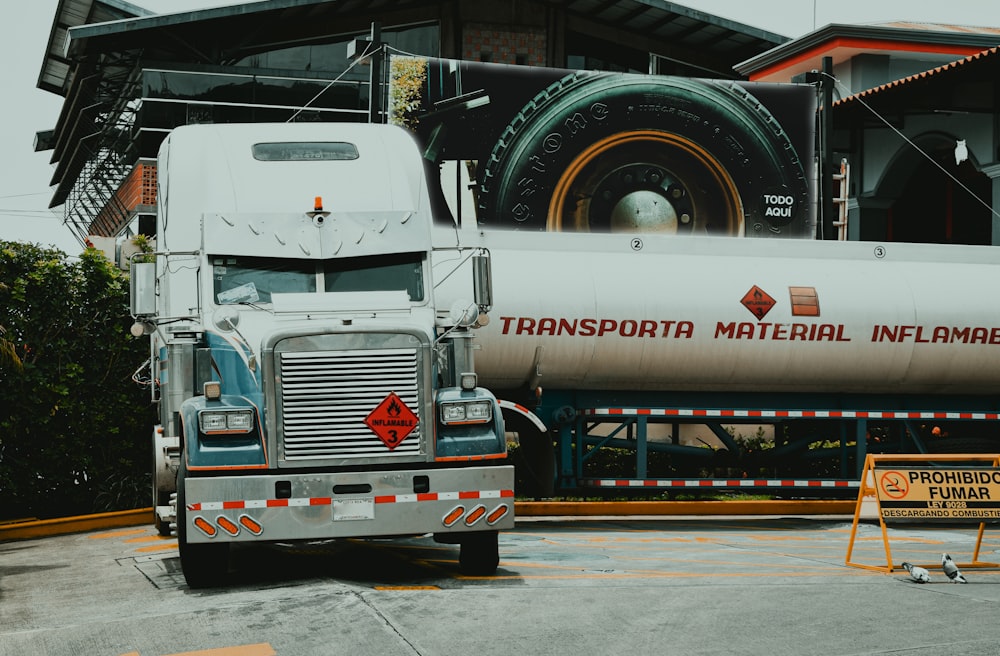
{"type": "Point", "coordinates": [74, 428]}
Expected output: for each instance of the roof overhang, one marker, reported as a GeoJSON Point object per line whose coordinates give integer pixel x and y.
{"type": "Point", "coordinates": [70, 14]}
{"type": "Point", "coordinates": [843, 42]}
{"type": "Point", "coordinates": [242, 29]}
{"type": "Point", "coordinates": [965, 86]}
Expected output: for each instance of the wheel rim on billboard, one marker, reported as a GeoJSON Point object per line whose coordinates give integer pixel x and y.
{"type": "Point", "coordinates": [627, 183]}
{"type": "Point", "coordinates": [640, 153]}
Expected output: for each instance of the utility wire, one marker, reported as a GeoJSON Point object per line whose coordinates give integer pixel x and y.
{"type": "Point", "coordinates": [334, 81]}
{"type": "Point", "coordinates": [858, 98]}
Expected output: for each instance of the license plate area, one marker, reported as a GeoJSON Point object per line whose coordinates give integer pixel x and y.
{"type": "Point", "coordinates": [353, 509]}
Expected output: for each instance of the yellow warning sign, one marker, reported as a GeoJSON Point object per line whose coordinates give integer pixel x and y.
{"type": "Point", "coordinates": [931, 493]}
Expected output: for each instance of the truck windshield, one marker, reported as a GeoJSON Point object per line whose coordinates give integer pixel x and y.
{"type": "Point", "coordinates": [239, 279]}
{"type": "Point", "coordinates": [372, 274]}
{"type": "Point", "coordinates": [254, 279]}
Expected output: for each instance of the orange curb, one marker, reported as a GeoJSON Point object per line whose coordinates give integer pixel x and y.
{"type": "Point", "coordinates": [626, 508]}
{"type": "Point", "coordinates": [41, 528]}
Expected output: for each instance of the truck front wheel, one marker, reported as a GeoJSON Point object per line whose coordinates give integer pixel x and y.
{"type": "Point", "coordinates": [204, 564]}
{"type": "Point", "coordinates": [479, 554]}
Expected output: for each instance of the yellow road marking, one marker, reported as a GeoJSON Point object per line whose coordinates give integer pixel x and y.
{"type": "Point", "coordinates": [407, 587]}
{"type": "Point", "coordinates": [159, 547]}
{"type": "Point", "coordinates": [150, 538]}
{"type": "Point", "coordinates": [259, 649]}
{"type": "Point", "coordinates": [117, 534]}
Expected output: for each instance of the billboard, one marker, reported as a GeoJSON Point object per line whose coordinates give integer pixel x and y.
{"type": "Point", "coordinates": [538, 149]}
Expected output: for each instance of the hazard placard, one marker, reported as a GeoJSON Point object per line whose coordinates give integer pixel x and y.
{"type": "Point", "coordinates": [930, 493]}
{"type": "Point", "coordinates": [392, 421]}
{"type": "Point", "coordinates": [758, 302]}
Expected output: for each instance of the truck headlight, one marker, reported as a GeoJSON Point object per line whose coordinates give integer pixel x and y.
{"type": "Point", "coordinates": [225, 421]}
{"type": "Point", "coordinates": [466, 412]}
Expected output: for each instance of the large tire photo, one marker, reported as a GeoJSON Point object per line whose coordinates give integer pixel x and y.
{"type": "Point", "coordinates": [608, 152]}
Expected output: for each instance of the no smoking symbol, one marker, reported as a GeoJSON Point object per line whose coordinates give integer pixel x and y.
{"type": "Point", "coordinates": [894, 485]}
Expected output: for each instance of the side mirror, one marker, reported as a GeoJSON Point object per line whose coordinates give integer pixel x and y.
{"type": "Point", "coordinates": [142, 289]}
{"type": "Point", "coordinates": [482, 282]}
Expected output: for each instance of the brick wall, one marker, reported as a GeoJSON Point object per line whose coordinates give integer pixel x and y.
{"type": "Point", "coordinates": [138, 190]}
{"type": "Point", "coordinates": [503, 45]}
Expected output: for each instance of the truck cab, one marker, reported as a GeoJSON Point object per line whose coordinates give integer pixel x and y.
{"type": "Point", "coordinates": [308, 385]}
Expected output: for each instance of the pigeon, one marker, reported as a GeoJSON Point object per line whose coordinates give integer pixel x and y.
{"type": "Point", "coordinates": [951, 569]}
{"type": "Point", "coordinates": [917, 573]}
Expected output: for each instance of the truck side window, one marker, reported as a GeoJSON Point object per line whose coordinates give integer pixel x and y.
{"type": "Point", "coordinates": [254, 279]}
{"type": "Point", "coordinates": [402, 271]}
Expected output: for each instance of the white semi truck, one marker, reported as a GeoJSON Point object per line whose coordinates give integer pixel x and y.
{"type": "Point", "coordinates": [309, 386]}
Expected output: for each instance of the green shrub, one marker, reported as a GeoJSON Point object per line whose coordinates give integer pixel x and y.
{"type": "Point", "coordinates": [73, 423]}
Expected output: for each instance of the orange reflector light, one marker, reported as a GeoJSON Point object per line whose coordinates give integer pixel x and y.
{"type": "Point", "coordinates": [451, 518]}
{"type": "Point", "coordinates": [251, 524]}
{"type": "Point", "coordinates": [475, 515]}
{"type": "Point", "coordinates": [227, 525]}
{"type": "Point", "coordinates": [318, 205]}
{"type": "Point", "coordinates": [205, 526]}
{"type": "Point", "coordinates": [497, 514]}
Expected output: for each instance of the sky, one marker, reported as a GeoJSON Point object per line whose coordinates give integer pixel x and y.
{"type": "Point", "coordinates": [25, 175]}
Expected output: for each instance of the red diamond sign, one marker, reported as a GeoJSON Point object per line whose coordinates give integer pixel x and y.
{"type": "Point", "coordinates": [758, 302]}
{"type": "Point", "coordinates": [391, 421]}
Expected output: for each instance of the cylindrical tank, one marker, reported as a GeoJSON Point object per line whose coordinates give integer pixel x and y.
{"type": "Point", "coordinates": [643, 312]}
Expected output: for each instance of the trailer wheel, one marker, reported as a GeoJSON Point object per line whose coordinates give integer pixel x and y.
{"type": "Point", "coordinates": [204, 564]}
{"type": "Point", "coordinates": [610, 152]}
{"type": "Point", "coordinates": [479, 554]}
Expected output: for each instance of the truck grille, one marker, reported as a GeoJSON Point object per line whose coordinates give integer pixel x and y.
{"type": "Point", "coordinates": [326, 395]}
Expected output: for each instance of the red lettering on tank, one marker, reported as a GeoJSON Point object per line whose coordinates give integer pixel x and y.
{"type": "Point", "coordinates": [506, 325]}
{"type": "Point", "coordinates": [546, 326]}
{"type": "Point", "coordinates": [607, 326]}
{"type": "Point", "coordinates": [628, 328]}
{"type": "Point", "coordinates": [727, 330]}
{"type": "Point", "coordinates": [525, 326]}
{"type": "Point", "coordinates": [799, 331]}
{"type": "Point", "coordinates": [685, 329]}
{"type": "Point", "coordinates": [588, 327]}
{"type": "Point", "coordinates": [567, 327]}
{"type": "Point", "coordinates": [647, 328]}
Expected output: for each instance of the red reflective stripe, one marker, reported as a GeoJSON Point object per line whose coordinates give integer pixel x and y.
{"type": "Point", "coordinates": [507, 493]}
{"type": "Point", "coordinates": [277, 503]}
{"type": "Point", "coordinates": [230, 505]}
{"type": "Point", "coordinates": [320, 501]}
{"type": "Point", "coordinates": [427, 496]}
{"type": "Point", "coordinates": [385, 499]}
{"type": "Point", "coordinates": [468, 495]}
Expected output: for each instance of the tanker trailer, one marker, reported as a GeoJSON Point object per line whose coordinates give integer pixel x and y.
{"type": "Point", "coordinates": [659, 286]}
{"type": "Point", "coordinates": [827, 341]}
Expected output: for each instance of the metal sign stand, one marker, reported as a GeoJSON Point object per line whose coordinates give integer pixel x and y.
{"type": "Point", "coordinates": [869, 488]}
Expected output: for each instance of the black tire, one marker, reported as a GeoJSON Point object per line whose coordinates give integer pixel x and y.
{"type": "Point", "coordinates": [479, 554]}
{"type": "Point", "coordinates": [610, 152]}
{"type": "Point", "coordinates": [536, 461]}
{"type": "Point", "coordinates": [205, 565]}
